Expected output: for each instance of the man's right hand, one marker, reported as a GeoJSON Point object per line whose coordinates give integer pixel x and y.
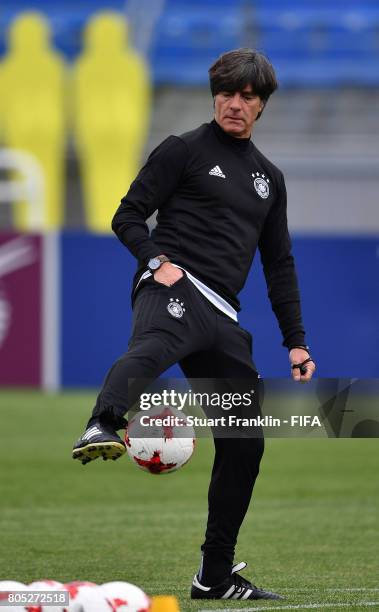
{"type": "Point", "coordinates": [167, 274]}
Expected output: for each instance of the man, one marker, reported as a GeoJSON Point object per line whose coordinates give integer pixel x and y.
{"type": "Point", "coordinates": [218, 199]}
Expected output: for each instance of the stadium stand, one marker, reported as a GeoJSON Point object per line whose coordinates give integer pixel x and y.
{"type": "Point", "coordinates": [111, 108]}
{"type": "Point", "coordinates": [33, 114]}
{"type": "Point", "coordinates": [323, 45]}
{"type": "Point", "coordinates": [325, 54]}
{"type": "Point", "coordinates": [187, 41]}
{"type": "Point", "coordinates": [312, 44]}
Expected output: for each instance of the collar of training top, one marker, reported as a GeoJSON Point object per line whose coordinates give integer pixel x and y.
{"type": "Point", "coordinates": [240, 144]}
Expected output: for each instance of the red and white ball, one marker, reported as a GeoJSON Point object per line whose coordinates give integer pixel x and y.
{"type": "Point", "coordinates": [8, 587]}
{"type": "Point", "coordinates": [160, 440]}
{"type": "Point", "coordinates": [125, 597]}
{"type": "Point", "coordinates": [46, 585]}
{"type": "Point", "coordinates": [84, 597]}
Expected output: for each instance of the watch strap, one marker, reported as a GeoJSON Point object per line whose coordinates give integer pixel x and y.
{"type": "Point", "coordinates": [162, 258]}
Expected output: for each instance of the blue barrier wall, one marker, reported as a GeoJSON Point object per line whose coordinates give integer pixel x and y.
{"type": "Point", "coordinates": [340, 296]}
{"type": "Point", "coordinates": [339, 285]}
{"type": "Point", "coordinates": [95, 305]}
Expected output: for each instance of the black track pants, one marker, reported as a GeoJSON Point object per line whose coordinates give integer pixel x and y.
{"type": "Point", "coordinates": [178, 324]}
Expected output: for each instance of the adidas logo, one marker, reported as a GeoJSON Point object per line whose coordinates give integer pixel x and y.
{"type": "Point", "coordinates": [91, 433]}
{"type": "Point", "coordinates": [216, 171]}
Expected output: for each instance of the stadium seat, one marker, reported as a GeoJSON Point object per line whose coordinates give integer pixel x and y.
{"type": "Point", "coordinates": [111, 109]}
{"type": "Point", "coordinates": [187, 41]}
{"type": "Point", "coordinates": [320, 45]}
{"type": "Point", "coordinates": [32, 91]}
{"type": "Point", "coordinates": [315, 44]}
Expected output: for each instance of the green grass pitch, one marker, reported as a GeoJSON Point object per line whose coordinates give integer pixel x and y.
{"type": "Point", "coordinates": [311, 532]}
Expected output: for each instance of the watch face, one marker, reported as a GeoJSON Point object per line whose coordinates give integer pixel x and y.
{"type": "Point", "coordinates": [154, 263]}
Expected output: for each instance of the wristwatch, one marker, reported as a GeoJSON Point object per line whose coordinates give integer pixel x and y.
{"type": "Point", "coordinates": [156, 262]}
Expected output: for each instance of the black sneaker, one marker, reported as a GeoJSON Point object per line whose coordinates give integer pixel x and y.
{"type": "Point", "coordinates": [234, 587]}
{"type": "Point", "coordinates": [98, 441]}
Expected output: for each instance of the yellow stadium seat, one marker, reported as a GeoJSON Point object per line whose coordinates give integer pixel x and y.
{"type": "Point", "coordinates": [32, 81]}
{"type": "Point", "coordinates": [111, 107]}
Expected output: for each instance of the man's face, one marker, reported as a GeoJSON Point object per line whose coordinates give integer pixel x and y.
{"type": "Point", "coordinates": [236, 112]}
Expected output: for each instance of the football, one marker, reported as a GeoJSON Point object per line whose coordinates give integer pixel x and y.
{"type": "Point", "coordinates": [125, 597]}
{"type": "Point", "coordinates": [160, 440]}
{"type": "Point", "coordinates": [47, 585]}
{"type": "Point", "coordinates": [9, 587]}
{"type": "Point", "coordinates": [84, 597]}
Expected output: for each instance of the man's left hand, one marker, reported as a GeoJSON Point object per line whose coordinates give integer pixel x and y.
{"type": "Point", "coordinates": [297, 356]}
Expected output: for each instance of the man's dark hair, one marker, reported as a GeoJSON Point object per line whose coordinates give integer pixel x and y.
{"type": "Point", "coordinates": [235, 70]}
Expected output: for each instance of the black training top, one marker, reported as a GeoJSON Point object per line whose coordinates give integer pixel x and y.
{"type": "Point", "coordinates": [218, 198]}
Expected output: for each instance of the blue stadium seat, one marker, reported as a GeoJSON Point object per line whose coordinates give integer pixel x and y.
{"type": "Point", "coordinates": [198, 5]}
{"type": "Point", "coordinates": [320, 46]}
{"type": "Point", "coordinates": [186, 43]}
{"type": "Point", "coordinates": [198, 30]}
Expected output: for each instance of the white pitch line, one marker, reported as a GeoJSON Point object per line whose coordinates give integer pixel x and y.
{"type": "Point", "coordinates": [334, 590]}
{"type": "Point", "coordinates": [155, 586]}
{"type": "Point", "coordinates": [352, 589]}
{"type": "Point", "coordinates": [317, 606]}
